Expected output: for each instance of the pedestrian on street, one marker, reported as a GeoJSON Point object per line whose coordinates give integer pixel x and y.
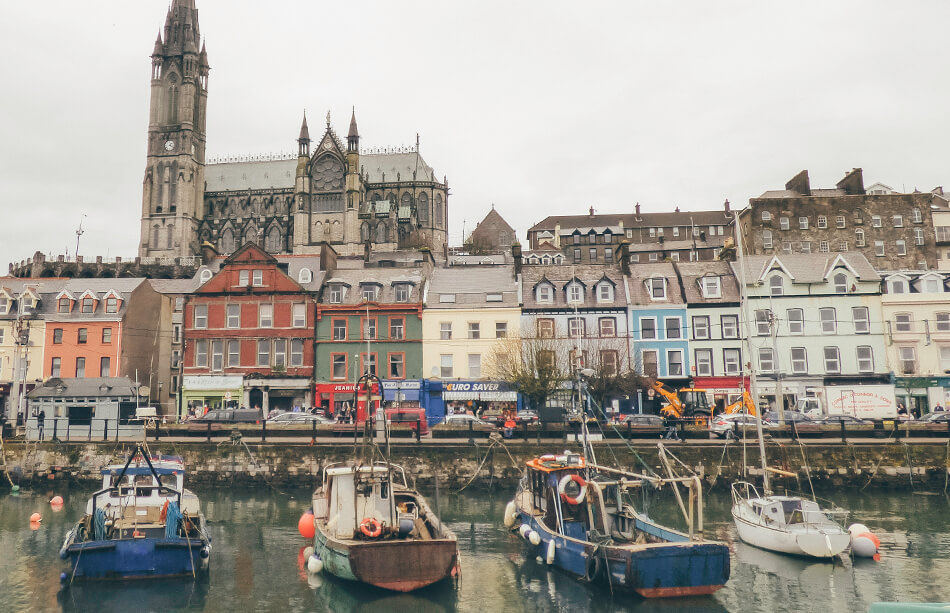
{"type": "Point", "coordinates": [40, 422]}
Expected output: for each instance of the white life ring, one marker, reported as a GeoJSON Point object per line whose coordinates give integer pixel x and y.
{"type": "Point", "coordinates": [562, 485]}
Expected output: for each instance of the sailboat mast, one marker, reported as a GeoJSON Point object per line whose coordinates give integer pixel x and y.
{"type": "Point", "coordinates": [744, 313]}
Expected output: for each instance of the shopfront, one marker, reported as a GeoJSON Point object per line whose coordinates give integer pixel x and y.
{"type": "Point", "coordinates": [281, 394]}
{"type": "Point", "coordinates": [201, 393]}
{"type": "Point", "coordinates": [722, 391]}
{"type": "Point", "coordinates": [479, 397]}
{"type": "Point", "coordinates": [334, 397]}
{"type": "Point", "coordinates": [401, 393]}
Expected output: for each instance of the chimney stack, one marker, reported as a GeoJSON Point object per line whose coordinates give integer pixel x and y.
{"type": "Point", "coordinates": [591, 211]}
{"type": "Point", "coordinates": [638, 212]}
{"type": "Point", "coordinates": [623, 256]}
{"type": "Point", "coordinates": [367, 250]}
{"type": "Point", "coordinates": [516, 258]}
{"type": "Point", "coordinates": [726, 205]}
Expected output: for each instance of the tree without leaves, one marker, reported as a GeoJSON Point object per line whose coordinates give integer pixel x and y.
{"type": "Point", "coordinates": [533, 366]}
{"type": "Point", "coordinates": [613, 373]}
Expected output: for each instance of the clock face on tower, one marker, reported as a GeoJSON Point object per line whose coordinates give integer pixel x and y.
{"type": "Point", "coordinates": [169, 145]}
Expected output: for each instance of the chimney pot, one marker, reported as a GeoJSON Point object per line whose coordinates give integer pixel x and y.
{"type": "Point", "coordinates": [591, 211]}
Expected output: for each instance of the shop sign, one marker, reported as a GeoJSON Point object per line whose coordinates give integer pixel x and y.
{"type": "Point", "coordinates": [336, 388]}
{"type": "Point", "coordinates": [401, 385]}
{"type": "Point", "coordinates": [473, 386]}
{"type": "Point", "coordinates": [212, 382]}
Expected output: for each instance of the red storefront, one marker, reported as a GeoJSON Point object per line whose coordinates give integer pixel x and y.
{"type": "Point", "coordinates": [332, 396]}
{"type": "Point", "coordinates": [722, 391]}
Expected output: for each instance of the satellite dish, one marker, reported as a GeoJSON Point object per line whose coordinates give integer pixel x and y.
{"type": "Point", "coordinates": [144, 390]}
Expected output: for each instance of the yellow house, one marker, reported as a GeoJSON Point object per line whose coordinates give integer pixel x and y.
{"type": "Point", "coordinates": [466, 311]}
{"type": "Point", "coordinates": [21, 342]}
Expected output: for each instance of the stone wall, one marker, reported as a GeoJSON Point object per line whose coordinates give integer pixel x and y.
{"type": "Point", "coordinates": [921, 466]}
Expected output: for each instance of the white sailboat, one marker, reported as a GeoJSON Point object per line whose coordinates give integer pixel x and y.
{"type": "Point", "coordinates": [784, 524]}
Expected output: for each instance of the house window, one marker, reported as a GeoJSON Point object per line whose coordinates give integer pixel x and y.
{"type": "Point", "coordinates": [369, 328]}
{"type": "Point", "coordinates": [766, 216]}
{"type": "Point", "coordinates": [339, 329]}
{"type": "Point", "coordinates": [176, 358]}
{"type": "Point", "coordinates": [908, 360]}
{"type": "Point", "coordinates": [105, 367]}
{"type": "Point", "coordinates": [494, 297]}
{"type": "Point", "coordinates": [700, 327]}
{"type": "Point", "coordinates": [501, 329]}
{"type": "Point", "coordinates": [575, 293]}
{"type": "Point", "coordinates": [57, 336]}
{"type": "Point", "coordinates": [898, 221]}
{"type": "Point", "coordinates": [650, 363]}
{"type": "Point", "coordinates": [300, 315]}
{"type": "Point", "coordinates": [258, 278]}
{"type": "Point", "coordinates": [943, 322]}
{"type": "Point", "coordinates": [841, 283]}
{"type": "Point", "coordinates": [776, 285]}
{"type": "Point", "coordinates": [730, 326]}
{"type": "Point", "coordinates": [902, 322]}
{"type": "Point", "coordinates": [593, 255]}
{"type": "Point", "coordinates": [783, 223]}
{"type": "Point", "coordinates": [676, 231]}
{"type": "Point", "coordinates": [217, 354]}
{"type": "Point", "coordinates": [942, 234]}
{"type": "Point", "coordinates": [112, 305]}
{"type": "Point", "coordinates": [546, 328]}
{"type": "Point", "coordinates": [652, 232]}
{"type": "Point", "coordinates": [266, 312]}
{"type": "Point", "coordinates": [859, 238]}
{"type": "Point", "coordinates": [445, 330]}
{"type": "Point", "coordinates": [55, 366]}
{"type": "Point", "coordinates": [829, 324]}
{"type": "Point", "coordinates": [369, 293]}
{"type": "Point", "coordinates": [201, 316]}
{"type": "Point", "coordinates": [82, 335]}
{"type": "Point", "coordinates": [786, 246]}
{"type": "Point", "coordinates": [608, 256]}
{"type": "Point", "coordinates": [243, 277]}
{"type": "Point", "coordinates": [916, 216]}
{"type": "Point", "coordinates": [609, 362]}
{"type": "Point", "coordinates": [766, 359]}
{"type": "Point", "coordinates": [730, 361]}
{"type": "Point", "coordinates": [577, 255]}
{"type": "Point", "coordinates": [474, 365]}
{"type": "Point", "coordinates": [80, 368]}
{"type": "Point", "coordinates": [945, 359]}
{"type": "Point", "coordinates": [657, 288]}
{"type": "Point", "coordinates": [806, 246]}
{"type": "Point", "coordinates": [576, 327]}
{"type": "Point", "coordinates": [474, 330]}
{"type": "Point", "coordinates": [876, 221]}
{"type": "Point", "coordinates": [368, 366]}
{"type": "Point", "coordinates": [711, 287]}
{"type": "Point", "coordinates": [763, 321]}
{"type": "Point", "coordinates": [545, 293]}
{"type": "Point", "coordinates": [766, 239]}
{"type": "Point", "coordinates": [652, 257]}
{"type": "Point", "coordinates": [704, 367]}
{"type": "Point", "coordinates": [296, 352]}
{"type": "Point", "coordinates": [675, 256]}
{"type": "Point", "coordinates": [397, 366]}
{"type": "Point", "coordinates": [87, 305]}
{"type": "Point", "coordinates": [106, 336]}
{"type": "Point", "coordinates": [63, 305]}
{"type": "Point", "coordinates": [647, 327]}
{"type": "Point", "coordinates": [605, 292]}
{"type": "Point", "coordinates": [802, 223]}
{"type": "Point", "coordinates": [840, 222]}
{"type": "Point", "coordinates": [234, 315]}
{"type": "Point", "coordinates": [897, 286]}
{"type": "Point", "coordinates": [862, 321]}
{"type": "Point", "coordinates": [338, 366]}
{"type": "Point", "coordinates": [176, 333]}
{"type": "Point", "coordinates": [822, 222]}
{"type": "Point", "coordinates": [608, 327]}
{"type": "Point", "coordinates": [865, 359]}
{"type": "Point", "coordinates": [403, 290]}
{"type": "Point", "coordinates": [918, 236]}
{"type": "Point", "coordinates": [263, 352]}
{"type": "Point", "coordinates": [201, 353]}
{"type": "Point", "coordinates": [823, 247]}
{"type": "Point", "coordinates": [799, 361]}
{"type": "Point", "coordinates": [832, 360]}
{"type": "Point", "coordinates": [674, 362]}
{"type": "Point", "coordinates": [445, 365]}
{"type": "Point", "coordinates": [397, 328]}
{"type": "Point", "coordinates": [336, 294]}
{"type": "Point", "coordinates": [796, 321]}
{"type": "Point", "coordinates": [901, 247]}
{"type": "Point", "coordinates": [234, 353]}
{"type": "Point", "coordinates": [280, 352]}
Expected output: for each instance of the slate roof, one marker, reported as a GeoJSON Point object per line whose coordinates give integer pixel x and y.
{"type": "Point", "coordinates": [692, 272]}
{"type": "Point", "coordinates": [375, 164]}
{"type": "Point", "coordinates": [384, 277]}
{"type": "Point", "coordinates": [639, 273]}
{"type": "Point", "coordinates": [84, 387]}
{"type": "Point", "coordinates": [647, 220]}
{"type": "Point", "coordinates": [471, 286]}
{"type": "Point", "coordinates": [805, 267]}
{"type": "Point", "coordinates": [560, 276]}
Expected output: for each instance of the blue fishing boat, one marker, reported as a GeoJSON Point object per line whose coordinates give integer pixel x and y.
{"type": "Point", "coordinates": [579, 517]}
{"type": "Point", "coordinates": [143, 523]}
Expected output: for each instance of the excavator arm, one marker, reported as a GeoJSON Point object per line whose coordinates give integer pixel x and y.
{"type": "Point", "coordinates": [743, 405]}
{"type": "Point", "coordinates": [673, 407]}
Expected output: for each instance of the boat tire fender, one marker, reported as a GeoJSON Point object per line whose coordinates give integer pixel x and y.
{"type": "Point", "coordinates": [592, 569]}
{"type": "Point", "coordinates": [563, 484]}
{"type": "Point", "coordinates": [371, 528]}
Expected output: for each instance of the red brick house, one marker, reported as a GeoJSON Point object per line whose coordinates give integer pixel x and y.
{"type": "Point", "coordinates": [249, 333]}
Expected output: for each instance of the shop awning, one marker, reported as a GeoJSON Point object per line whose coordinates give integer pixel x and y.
{"type": "Point", "coordinates": [487, 396]}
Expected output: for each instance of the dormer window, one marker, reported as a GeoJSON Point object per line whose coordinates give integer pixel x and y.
{"type": "Point", "coordinates": [776, 285]}
{"type": "Point", "coordinates": [605, 292]}
{"type": "Point", "coordinates": [26, 305]}
{"type": "Point", "coordinates": [402, 291]}
{"type": "Point", "coordinates": [932, 285]}
{"type": "Point", "coordinates": [63, 305]}
{"type": "Point", "coordinates": [369, 292]}
{"type": "Point", "coordinates": [841, 283]}
{"type": "Point", "coordinates": [305, 275]}
{"type": "Point", "coordinates": [711, 287]}
{"type": "Point", "coordinates": [337, 292]}
{"type": "Point", "coordinates": [4, 306]}
{"type": "Point", "coordinates": [897, 286]}
{"type": "Point", "coordinates": [657, 288]}
{"type": "Point", "coordinates": [88, 305]}
{"type": "Point", "coordinates": [575, 293]}
{"type": "Point", "coordinates": [112, 304]}
{"type": "Point", "coordinates": [544, 293]}
{"type": "Point", "coordinates": [205, 276]}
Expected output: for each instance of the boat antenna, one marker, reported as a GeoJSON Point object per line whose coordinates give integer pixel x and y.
{"type": "Point", "coordinates": [744, 316]}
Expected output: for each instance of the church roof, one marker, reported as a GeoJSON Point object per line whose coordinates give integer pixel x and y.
{"type": "Point", "coordinates": [403, 164]}
{"type": "Point", "coordinates": [258, 174]}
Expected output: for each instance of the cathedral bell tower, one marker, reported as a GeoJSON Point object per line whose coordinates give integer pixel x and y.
{"type": "Point", "coordinates": [173, 186]}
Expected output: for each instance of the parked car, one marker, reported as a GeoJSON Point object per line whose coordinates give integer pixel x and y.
{"type": "Point", "coordinates": [414, 417]}
{"type": "Point", "coordinates": [645, 420]}
{"type": "Point", "coordinates": [724, 426]}
{"type": "Point", "coordinates": [231, 416]}
{"type": "Point", "coordinates": [770, 419]}
{"type": "Point", "coordinates": [465, 419]}
{"type": "Point", "coordinates": [938, 417]}
{"type": "Point", "coordinates": [836, 420]}
{"type": "Point", "coordinates": [298, 418]}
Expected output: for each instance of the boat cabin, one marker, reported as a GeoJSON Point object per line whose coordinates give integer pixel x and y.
{"type": "Point", "coordinates": [789, 511]}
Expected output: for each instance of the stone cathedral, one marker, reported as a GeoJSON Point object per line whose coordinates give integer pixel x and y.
{"type": "Point", "coordinates": [329, 193]}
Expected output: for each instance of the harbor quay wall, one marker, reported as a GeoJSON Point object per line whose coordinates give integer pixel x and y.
{"type": "Point", "coordinates": [486, 464]}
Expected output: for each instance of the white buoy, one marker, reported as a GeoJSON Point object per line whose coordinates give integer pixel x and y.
{"type": "Point", "coordinates": [511, 513]}
{"type": "Point", "coordinates": [307, 552]}
{"type": "Point", "coordinates": [314, 564]}
{"type": "Point", "coordinates": [862, 546]}
{"type": "Point", "coordinates": [534, 538]}
{"type": "Point", "coordinates": [856, 529]}
{"type": "Point", "coordinates": [538, 560]}
{"type": "Point", "coordinates": [524, 530]}
{"type": "Point", "coordinates": [550, 556]}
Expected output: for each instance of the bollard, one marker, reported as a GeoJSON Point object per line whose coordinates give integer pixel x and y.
{"type": "Point", "coordinates": [209, 431]}
{"type": "Point", "coordinates": [735, 428]}
{"type": "Point", "coordinates": [525, 423]}
{"type": "Point", "coordinates": [90, 430]}
{"type": "Point", "coordinates": [471, 436]}
{"type": "Point", "coordinates": [843, 440]}
{"type": "Point", "coordinates": [313, 432]}
{"type": "Point", "coordinates": [264, 430]}
{"type": "Point", "coordinates": [418, 430]}
{"type": "Point", "coordinates": [794, 430]}
{"type": "Point", "coordinates": [158, 426]}
{"type": "Point", "coordinates": [56, 422]}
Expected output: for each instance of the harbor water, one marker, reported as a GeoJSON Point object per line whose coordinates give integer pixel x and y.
{"type": "Point", "coordinates": [257, 562]}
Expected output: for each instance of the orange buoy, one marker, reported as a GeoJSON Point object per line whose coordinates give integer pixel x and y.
{"type": "Point", "coordinates": [36, 518]}
{"type": "Point", "coordinates": [34, 525]}
{"type": "Point", "coordinates": [56, 500]}
{"type": "Point", "coordinates": [305, 525]}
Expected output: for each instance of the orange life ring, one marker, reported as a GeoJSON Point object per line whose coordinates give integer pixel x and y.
{"type": "Point", "coordinates": [562, 485]}
{"type": "Point", "coordinates": [164, 513]}
{"type": "Point", "coordinates": [371, 528]}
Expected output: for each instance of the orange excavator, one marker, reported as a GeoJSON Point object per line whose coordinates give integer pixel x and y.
{"type": "Point", "coordinates": [685, 403]}
{"type": "Point", "coordinates": [743, 405]}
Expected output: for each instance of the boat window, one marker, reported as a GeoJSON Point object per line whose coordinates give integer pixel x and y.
{"type": "Point", "coordinates": [383, 490]}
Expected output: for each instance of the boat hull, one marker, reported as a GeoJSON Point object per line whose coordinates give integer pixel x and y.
{"type": "Point", "coordinates": [656, 570]}
{"type": "Point", "coordinates": [137, 558]}
{"type": "Point", "coordinates": [397, 565]}
{"type": "Point", "coordinates": [814, 544]}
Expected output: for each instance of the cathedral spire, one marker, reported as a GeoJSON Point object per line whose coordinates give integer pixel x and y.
{"type": "Point", "coordinates": [303, 141]}
{"type": "Point", "coordinates": [157, 50]}
{"type": "Point", "coordinates": [353, 137]}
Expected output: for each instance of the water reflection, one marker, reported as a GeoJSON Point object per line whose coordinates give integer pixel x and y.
{"type": "Point", "coordinates": [160, 595]}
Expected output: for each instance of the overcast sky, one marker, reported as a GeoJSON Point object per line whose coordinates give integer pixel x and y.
{"type": "Point", "coordinates": [538, 107]}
